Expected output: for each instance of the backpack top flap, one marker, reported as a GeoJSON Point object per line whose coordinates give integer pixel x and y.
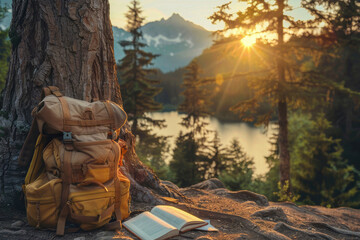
{"type": "Point", "coordinates": [81, 117]}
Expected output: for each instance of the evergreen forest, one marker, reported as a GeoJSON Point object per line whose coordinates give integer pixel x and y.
{"type": "Point", "coordinates": [303, 79]}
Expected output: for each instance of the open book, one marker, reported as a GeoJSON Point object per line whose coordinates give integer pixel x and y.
{"type": "Point", "coordinates": [162, 222]}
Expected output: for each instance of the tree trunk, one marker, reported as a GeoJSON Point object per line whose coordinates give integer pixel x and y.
{"type": "Point", "coordinates": [69, 44]}
{"type": "Point", "coordinates": [282, 104]}
{"type": "Point", "coordinates": [283, 144]}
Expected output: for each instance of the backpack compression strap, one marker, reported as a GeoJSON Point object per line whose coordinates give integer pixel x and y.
{"type": "Point", "coordinates": [67, 170]}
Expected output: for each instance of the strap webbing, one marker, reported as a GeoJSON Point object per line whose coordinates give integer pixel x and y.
{"type": "Point", "coordinates": [37, 165]}
{"type": "Point", "coordinates": [28, 149]}
{"type": "Point", "coordinates": [66, 113]}
{"type": "Point", "coordinates": [117, 182]}
{"type": "Point", "coordinates": [60, 228]}
{"type": "Point", "coordinates": [55, 91]}
{"type": "Point", "coordinates": [113, 226]}
{"type": "Point", "coordinates": [88, 123]}
{"type": "Point", "coordinates": [66, 181]}
{"type": "Point", "coordinates": [50, 90]}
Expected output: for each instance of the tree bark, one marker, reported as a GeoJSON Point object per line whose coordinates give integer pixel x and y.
{"type": "Point", "coordinates": [282, 104]}
{"type": "Point", "coordinates": [69, 44]}
{"type": "Point", "coordinates": [283, 144]}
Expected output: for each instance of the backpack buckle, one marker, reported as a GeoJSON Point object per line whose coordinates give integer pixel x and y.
{"type": "Point", "coordinates": [67, 137]}
{"type": "Point", "coordinates": [68, 141]}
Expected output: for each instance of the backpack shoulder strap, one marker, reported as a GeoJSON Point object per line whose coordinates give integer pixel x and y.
{"type": "Point", "coordinates": [28, 148]}
{"type": "Point", "coordinates": [37, 165]}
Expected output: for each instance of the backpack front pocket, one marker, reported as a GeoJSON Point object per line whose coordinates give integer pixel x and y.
{"type": "Point", "coordinates": [92, 206]}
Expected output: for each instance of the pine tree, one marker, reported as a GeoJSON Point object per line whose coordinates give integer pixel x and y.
{"type": "Point", "coordinates": [239, 168]}
{"type": "Point", "coordinates": [152, 150]}
{"type": "Point", "coordinates": [183, 165]}
{"type": "Point", "coordinates": [214, 158]}
{"type": "Point", "coordinates": [257, 12]}
{"type": "Point", "coordinates": [196, 100]}
{"type": "Point", "coordinates": [292, 79]}
{"type": "Point", "coordinates": [137, 88]}
{"type": "Point", "coordinates": [342, 36]}
{"type": "Point", "coordinates": [321, 175]}
{"type": "Point", "coordinates": [187, 156]}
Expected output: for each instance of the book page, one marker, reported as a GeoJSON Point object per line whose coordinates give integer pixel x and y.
{"type": "Point", "coordinates": [176, 217]}
{"type": "Point", "coordinates": [207, 228]}
{"type": "Point", "coordinates": [149, 227]}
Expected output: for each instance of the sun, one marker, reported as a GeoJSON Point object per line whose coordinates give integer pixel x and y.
{"type": "Point", "coordinates": [248, 41]}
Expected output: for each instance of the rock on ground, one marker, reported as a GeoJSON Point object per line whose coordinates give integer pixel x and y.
{"type": "Point", "coordinates": [210, 184]}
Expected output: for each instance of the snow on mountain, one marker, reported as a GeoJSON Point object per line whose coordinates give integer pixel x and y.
{"type": "Point", "coordinates": [161, 39]}
{"type": "Point", "coordinates": [5, 23]}
{"type": "Point", "coordinates": [176, 40]}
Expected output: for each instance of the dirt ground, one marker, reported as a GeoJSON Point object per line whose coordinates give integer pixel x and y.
{"type": "Point", "coordinates": [238, 215]}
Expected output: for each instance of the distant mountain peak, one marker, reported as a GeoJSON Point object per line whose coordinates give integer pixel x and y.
{"type": "Point", "coordinates": [176, 17]}
{"type": "Point", "coordinates": [176, 39]}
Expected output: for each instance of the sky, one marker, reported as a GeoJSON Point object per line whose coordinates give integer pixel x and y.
{"type": "Point", "coordinates": [196, 11]}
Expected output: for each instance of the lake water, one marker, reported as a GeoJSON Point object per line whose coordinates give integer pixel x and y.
{"type": "Point", "coordinates": [254, 140]}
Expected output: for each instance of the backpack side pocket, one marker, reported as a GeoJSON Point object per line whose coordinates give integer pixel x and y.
{"type": "Point", "coordinates": [43, 202]}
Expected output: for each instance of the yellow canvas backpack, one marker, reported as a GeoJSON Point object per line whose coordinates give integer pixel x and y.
{"type": "Point", "coordinates": [74, 173]}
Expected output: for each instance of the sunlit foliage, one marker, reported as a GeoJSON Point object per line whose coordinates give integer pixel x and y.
{"type": "Point", "coordinates": [292, 79]}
